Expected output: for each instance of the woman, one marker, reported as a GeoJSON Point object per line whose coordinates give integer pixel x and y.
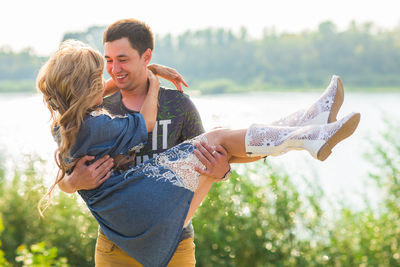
{"type": "Point", "coordinates": [143, 209]}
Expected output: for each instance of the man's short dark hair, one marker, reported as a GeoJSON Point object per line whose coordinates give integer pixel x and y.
{"type": "Point", "coordinates": [138, 33]}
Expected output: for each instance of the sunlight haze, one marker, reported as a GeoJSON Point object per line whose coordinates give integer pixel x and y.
{"type": "Point", "coordinates": [41, 24]}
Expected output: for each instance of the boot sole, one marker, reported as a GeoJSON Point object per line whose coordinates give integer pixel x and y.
{"type": "Point", "coordinates": [345, 131]}
{"type": "Point", "coordinates": [337, 103]}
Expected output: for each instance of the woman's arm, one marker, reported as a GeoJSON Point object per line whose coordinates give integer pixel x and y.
{"type": "Point", "coordinates": [150, 105]}
{"type": "Point", "coordinates": [169, 74]}
{"type": "Point", "coordinates": [110, 87]}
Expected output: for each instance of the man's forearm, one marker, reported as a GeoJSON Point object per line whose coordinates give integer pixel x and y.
{"type": "Point", "coordinates": [66, 185]}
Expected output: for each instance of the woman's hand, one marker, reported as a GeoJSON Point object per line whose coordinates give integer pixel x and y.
{"type": "Point", "coordinates": [169, 74]}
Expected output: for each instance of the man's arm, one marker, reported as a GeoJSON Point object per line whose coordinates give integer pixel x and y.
{"type": "Point", "coordinates": [87, 177]}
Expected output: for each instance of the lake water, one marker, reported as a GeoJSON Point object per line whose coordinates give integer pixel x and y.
{"type": "Point", "coordinates": [25, 127]}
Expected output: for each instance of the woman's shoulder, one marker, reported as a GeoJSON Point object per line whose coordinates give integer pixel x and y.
{"type": "Point", "coordinates": [100, 118]}
{"type": "Point", "coordinates": [97, 119]}
{"type": "Point", "coordinates": [100, 125]}
{"type": "Point", "coordinates": [103, 114]}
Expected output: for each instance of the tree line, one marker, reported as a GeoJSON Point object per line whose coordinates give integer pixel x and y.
{"type": "Point", "coordinates": [363, 54]}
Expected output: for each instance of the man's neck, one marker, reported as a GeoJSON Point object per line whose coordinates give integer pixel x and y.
{"type": "Point", "coordinates": [134, 97]}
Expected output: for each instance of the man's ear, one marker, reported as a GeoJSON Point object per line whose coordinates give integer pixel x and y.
{"type": "Point", "coordinates": [147, 55]}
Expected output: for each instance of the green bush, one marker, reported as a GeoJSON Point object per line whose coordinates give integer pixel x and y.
{"type": "Point", "coordinates": [67, 225]}
{"type": "Point", "coordinates": [371, 237]}
{"type": "Point", "coordinates": [256, 223]}
{"type": "Point", "coordinates": [258, 218]}
{"type": "Point", "coordinates": [39, 256]}
{"type": "Point", "coordinates": [3, 261]}
{"type": "Point", "coordinates": [273, 223]}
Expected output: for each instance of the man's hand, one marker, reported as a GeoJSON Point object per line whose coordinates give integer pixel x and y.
{"type": "Point", "coordinates": [214, 158]}
{"type": "Point", "coordinates": [86, 177]}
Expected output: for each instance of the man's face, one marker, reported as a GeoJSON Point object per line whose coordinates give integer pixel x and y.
{"type": "Point", "coordinates": [124, 64]}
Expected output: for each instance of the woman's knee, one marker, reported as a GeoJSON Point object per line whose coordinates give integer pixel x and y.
{"type": "Point", "coordinates": [216, 136]}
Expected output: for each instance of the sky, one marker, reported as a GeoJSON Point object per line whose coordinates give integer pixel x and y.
{"type": "Point", "coordinates": [40, 24]}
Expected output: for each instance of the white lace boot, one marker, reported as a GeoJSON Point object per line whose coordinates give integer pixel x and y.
{"type": "Point", "coordinates": [267, 140]}
{"type": "Point", "coordinates": [323, 111]}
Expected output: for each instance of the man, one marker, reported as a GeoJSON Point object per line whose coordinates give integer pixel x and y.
{"type": "Point", "coordinates": [128, 46]}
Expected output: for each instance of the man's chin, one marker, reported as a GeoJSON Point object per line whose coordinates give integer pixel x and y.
{"type": "Point", "coordinates": [121, 86]}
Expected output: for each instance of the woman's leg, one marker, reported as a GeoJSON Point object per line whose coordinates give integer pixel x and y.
{"type": "Point", "coordinates": [201, 192]}
{"type": "Point", "coordinates": [322, 111]}
{"type": "Point", "coordinates": [232, 140]}
{"type": "Point", "coordinates": [274, 140]}
{"type": "Point", "coordinates": [267, 140]}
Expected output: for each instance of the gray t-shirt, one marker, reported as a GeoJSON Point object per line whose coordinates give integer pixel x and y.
{"type": "Point", "coordinates": [177, 120]}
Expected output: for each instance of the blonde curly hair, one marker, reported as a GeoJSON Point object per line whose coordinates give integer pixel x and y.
{"type": "Point", "coordinates": [71, 82]}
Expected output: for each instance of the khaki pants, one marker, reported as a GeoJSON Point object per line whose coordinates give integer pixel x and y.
{"type": "Point", "coordinates": [110, 255]}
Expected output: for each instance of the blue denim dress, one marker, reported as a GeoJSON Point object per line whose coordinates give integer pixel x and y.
{"type": "Point", "coordinates": [143, 209]}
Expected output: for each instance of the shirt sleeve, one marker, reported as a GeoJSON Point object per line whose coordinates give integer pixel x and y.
{"type": "Point", "coordinates": [192, 125]}
{"type": "Point", "coordinates": [102, 135]}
